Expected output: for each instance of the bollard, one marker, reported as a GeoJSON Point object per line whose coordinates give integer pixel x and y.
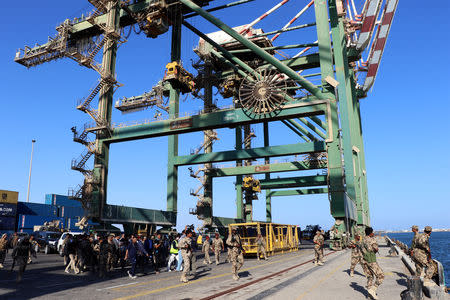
{"type": "Point", "coordinates": [414, 291]}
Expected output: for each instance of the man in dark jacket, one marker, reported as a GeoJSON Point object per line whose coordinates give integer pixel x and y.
{"type": "Point", "coordinates": [158, 250]}
{"type": "Point", "coordinates": [131, 255]}
{"type": "Point", "coordinates": [20, 255]}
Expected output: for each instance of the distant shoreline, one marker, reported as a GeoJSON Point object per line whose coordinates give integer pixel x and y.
{"type": "Point", "coordinates": [409, 230]}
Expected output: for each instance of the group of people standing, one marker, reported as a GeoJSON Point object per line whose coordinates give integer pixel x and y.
{"type": "Point", "coordinates": [177, 252]}
{"type": "Point", "coordinates": [104, 254]}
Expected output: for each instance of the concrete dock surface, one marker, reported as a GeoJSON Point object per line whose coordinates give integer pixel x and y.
{"type": "Point", "coordinates": [284, 276]}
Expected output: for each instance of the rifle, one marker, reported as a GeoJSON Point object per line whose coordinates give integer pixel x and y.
{"type": "Point", "coordinates": [242, 248]}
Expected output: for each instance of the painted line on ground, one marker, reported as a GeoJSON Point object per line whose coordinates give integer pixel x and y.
{"type": "Point", "coordinates": [259, 279]}
{"type": "Point", "coordinates": [117, 286]}
{"type": "Point", "coordinates": [223, 274]}
{"type": "Point", "coordinates": [145, 293]}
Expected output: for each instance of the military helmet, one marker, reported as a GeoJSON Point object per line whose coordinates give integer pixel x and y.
{"type": "Point", "coordinates": [428, 228]}
{"type": "Point", "coordinates": [415, 227]}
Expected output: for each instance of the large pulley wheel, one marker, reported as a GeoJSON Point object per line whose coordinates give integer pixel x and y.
{"type": "Point", "coordinates": [263, 92]}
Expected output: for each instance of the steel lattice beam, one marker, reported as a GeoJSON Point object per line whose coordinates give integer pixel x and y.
{"type": "Point", "coordinates": [271, 151]}
{"type": "Point", "coordinates": [298, 192]}
{"type": "Point", "coordinates": [293, 182]}
{"type": "Point", "coordinates": [267, 168]}
{"type": "Point", "coordinates": [214, 120]}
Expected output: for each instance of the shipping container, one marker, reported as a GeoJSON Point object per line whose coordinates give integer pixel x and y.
{"type": "Point", "coordinates": [70, 224]}
{"type": "Point", "coordinates": [9, 197]}
{"type": "Point", "coordinates": [7, 223]}
{"type": "Point", "coordinates": [36, 209]}
{"type": "Point", "coordinates": [8, 210]}
{"type": "Point", "coordinates": [71, 212]}
{"type": "Point", "coordinates": [61, 200]}
{"type": "Point", "coordinates": [25, 223]}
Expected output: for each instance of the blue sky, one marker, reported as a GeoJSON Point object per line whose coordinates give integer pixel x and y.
{"type": "Point", "coordinates": [405, 117]}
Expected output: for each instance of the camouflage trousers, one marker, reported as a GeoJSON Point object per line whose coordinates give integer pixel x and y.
{"type": "Point", "coordinates": [193, 263]}
{"type": "Point", "coordinates": [110, 262]}
{"type": "Point", "coordinates": [217, 255]}
{"type": "Point", "coordinates": [421, 260]}
{"type": "Point", "coordinates": [355, 260]}
{"type": "Point", "coordinates": [186, 263]}
{"type": "Point", "coordinates": [207, 258]}
{"type": "Point", "coordinates": [237, 260]}
{"type": "Point", "coordinates": [261, 249]}
{"type": "Point", "coordinates": [318, 254]}
{"type": "Point", "coordinates": [372, 270]}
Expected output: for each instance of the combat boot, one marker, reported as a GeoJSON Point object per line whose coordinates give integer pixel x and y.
{"type": "Point", "coordinates": [183, 279]}
{"type": "Point", "coordinates": [320, 263]}
{"type": "Point", "coordinates": [352, 273]}
{"type": "Point", "coordinates": [373, 292]}
{"type": "Point", "coordinates": [235, 277]}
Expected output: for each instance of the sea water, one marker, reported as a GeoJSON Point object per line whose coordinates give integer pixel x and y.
{"type": "Point", "coordinates": [439, 245]}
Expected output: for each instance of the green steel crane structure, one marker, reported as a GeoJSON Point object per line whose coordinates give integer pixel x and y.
{"type": "Point", "coordinates": [240, 62]}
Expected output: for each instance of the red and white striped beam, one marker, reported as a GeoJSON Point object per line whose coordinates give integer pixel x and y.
{"type": "Point", "coordinates": [376, 52]}
{"type": "Point", "coordinates": [247, 28]}
{"type": "Point", "coordinates": [303, 51]}
{"type": "Point", "coordinates": [370, 15]}
{"type": "Point", "coordinates": [301, 12]}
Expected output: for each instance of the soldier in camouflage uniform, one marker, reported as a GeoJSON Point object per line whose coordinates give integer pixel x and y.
{"type": "Point", "coordinates": [357, 257]}
{"type": "Point", "coordinates": [318, 251]}
{"type": "Point", "coordinates": [370, 266]}
{"type": "Point", "coordinates": [186, 252]}
{"type": "Point", "coordinates": [415, 230]}
{"type": "Point", "coordinates": [419, 269]}
{"type": "Point", "coordinates": [422, 255]}
{"type": "Point", "coordinates": [205, 249]}
{"type": "Point", "coordinates": [217, 246]}
{"type": "Point", "coordinates": [111, 256]}
{"type": "Point", "coordinates": [237, 257]}
{"type": "Point", "coordinates": [261, 244]}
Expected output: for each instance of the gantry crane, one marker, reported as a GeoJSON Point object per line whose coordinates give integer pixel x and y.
{"type": "Point", "coordinates": [260, 80]}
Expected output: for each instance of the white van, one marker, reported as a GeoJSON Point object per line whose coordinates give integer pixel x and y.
{"type": "Point", "coordinates": [61, 240]}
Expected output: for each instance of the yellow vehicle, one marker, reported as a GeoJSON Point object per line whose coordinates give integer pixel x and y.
{"type": "Point", "coordinates": [279, 238]}
{"type": "Point", "coordinates": [252, 184]}
{"type": "Point", "coordinates": [176, 74]}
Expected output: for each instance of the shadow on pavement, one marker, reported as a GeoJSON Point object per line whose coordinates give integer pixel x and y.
{"type": "Point", "coordinates": [358, 288]}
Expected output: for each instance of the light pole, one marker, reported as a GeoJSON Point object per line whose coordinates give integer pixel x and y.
{"type": "Point", "coordinates": [29, 175]}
